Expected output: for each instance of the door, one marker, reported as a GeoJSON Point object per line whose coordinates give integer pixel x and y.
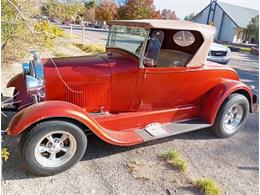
{"type": "Point", "coordinates": [167, 82]}
{"type": "Point", "coordinates": [165, 88]}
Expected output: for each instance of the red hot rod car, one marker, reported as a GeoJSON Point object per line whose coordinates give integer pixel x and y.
{"type": "Point", "coordinates": [153, 81]}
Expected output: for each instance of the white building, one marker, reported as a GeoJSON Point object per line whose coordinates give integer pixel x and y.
{"type": "Point", "coordinates": [230, 21]}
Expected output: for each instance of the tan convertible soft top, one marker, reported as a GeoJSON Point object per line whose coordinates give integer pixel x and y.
{"type": "Point", "coordinates": [207, 32]}
{"type": "Point", "coordinates": [164, 24]}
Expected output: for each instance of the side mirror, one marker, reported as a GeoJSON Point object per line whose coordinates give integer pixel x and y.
{"type": "Point", "coordinates": [148, 62]}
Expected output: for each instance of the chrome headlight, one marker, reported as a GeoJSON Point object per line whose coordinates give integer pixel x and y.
{"type": "Point", "coordinates": [33, 84]}
{"type": "Point", "coordinates": [35, 88]}
{"type": "Point", "coordinates": [228, 51]}
{"type": "Point", "coordinates": [38, 66]}
{"type": "Point", "coordinates": [26, 68]}
{"type": "Point", "coordinates": [34, 76]}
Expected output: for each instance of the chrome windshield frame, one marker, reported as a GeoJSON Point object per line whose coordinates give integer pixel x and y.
{"type": "Point", "coordinates": [140, 57]}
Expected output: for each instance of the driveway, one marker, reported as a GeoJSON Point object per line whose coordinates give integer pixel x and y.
{"type": "Point", "coordinates": [104, 169]}
{"type": "Point", "coordinates": [247, 67]}
{"type": "Point", "coordinates": [90, 35]}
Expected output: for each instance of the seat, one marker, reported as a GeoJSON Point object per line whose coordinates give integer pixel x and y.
{"type": "Point", "coordinates": [172, 58]}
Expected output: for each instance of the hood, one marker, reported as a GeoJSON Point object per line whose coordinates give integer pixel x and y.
{"type": "Point", "coordinates": [218, 47]}
{"type": "Point", "coordinates": [80, 67]}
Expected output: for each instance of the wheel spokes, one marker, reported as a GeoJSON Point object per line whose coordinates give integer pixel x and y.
{"type": "Point", "coordinates": [233, 117]}
{"type": "Point", "coordinates": [50, 138]}
{"type": "Point", "coordinates": [55, 148]}
{"type": "Point", "coordinates": [52, 156]}
{"type": "Point", "coordinates": [64, 149]}
{"type": "Point", "coordinates": [234, 110]}
{"type": "Point", "coordinates": [43, 149]}
{"type": "Point", "coordinates": [63, 138]}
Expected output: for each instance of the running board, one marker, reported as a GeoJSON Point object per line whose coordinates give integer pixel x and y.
{"type": "Point", "coordinates": [156, 130]}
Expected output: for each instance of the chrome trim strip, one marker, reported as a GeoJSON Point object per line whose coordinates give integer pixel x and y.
{"type": "Point", "coordinates": [141, 65]}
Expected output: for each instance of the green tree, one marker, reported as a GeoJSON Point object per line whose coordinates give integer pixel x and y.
{"type": "Point", "coordinates": [138, 9]}
{"type": "Point", "coordinates": [253, 27]}
{"type": "Point", "coordinates": [90, 4]}
{"type": "Point", "coordinates": [190, 16]}
{"type": "Point", "coordinates": [18, 23]}
{"type": "Point", "coordinates": [9, 23]}
{"type": "Point", "coordinates": [63, 11]}
{"type": "Point", "coordinates": [13, 26]}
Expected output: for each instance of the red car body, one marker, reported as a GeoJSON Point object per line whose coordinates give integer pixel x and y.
{"type": "Point", "coordinates": [115, 97]}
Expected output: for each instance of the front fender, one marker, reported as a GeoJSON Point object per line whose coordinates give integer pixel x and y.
{"type": "Point", "coordinates": [18, 82]}
{"type": "Point", "coordinates": [59, 109]}
{"type": "Point", "coordinates": [219, 93]}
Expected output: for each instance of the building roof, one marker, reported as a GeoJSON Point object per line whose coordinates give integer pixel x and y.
{"type": "Point", "coordinates": [164, 24]}
{"type": "Point", "coordinates": [240, 15]}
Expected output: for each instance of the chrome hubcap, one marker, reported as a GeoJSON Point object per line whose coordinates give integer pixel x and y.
{"type": "Point", "coordinates": [55, 149]}
{"type": "Point", "coordinates": [233, 118]}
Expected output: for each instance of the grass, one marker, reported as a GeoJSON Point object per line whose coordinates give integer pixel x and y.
{"type": "Point", "coordinates": [243, 49]}
{"type": "Point", "coordinates": [207, 186]}
{"type": "Point", "coordinates": [59, 54]}
{"type": "Point", "coordinates": [91, 48]}
{"type": "Point", "coordinates": [175, 159]}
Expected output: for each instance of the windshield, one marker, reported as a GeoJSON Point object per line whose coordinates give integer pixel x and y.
{"type": "Point", "coordinates": [127, 38]}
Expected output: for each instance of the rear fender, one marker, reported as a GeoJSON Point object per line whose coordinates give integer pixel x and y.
{"type": "Point", "coordinates": [35, 113]}
{"type": "Point", "coordinates": [219, 93]}
{"type": "Point", "coordinates": [18, 82]}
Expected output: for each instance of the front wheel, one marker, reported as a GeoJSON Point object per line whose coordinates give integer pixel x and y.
{"type": "Point", "coordinates": [52, 147]}
{"type": "Point", "coordinates": [231, 116]}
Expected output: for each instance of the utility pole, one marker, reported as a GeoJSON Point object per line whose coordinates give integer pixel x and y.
{"type": "Point", "coordinates": [83, 30]}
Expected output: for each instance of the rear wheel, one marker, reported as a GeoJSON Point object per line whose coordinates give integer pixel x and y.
{"type": "Point", "coordinates": [52, 147]}
{"type": "Point", "coordinates": [231, 116]}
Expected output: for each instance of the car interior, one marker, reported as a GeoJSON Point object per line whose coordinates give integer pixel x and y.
{"type": "Point", "coordinates": [171, 48]}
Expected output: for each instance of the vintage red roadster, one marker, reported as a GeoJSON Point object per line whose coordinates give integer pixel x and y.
{"type": "Point", "coordinates": [153, 81]}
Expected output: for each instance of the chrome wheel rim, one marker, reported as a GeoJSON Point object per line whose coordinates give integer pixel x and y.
{"type": "Point", "coordinates": [55, 149]}
{"type": "Point", "coordinates": [233, 118]}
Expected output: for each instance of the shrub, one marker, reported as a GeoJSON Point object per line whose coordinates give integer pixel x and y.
{"type": "Point", "coordinates": [175, 159]}
{"type": "Point", "coordinates": [91, 48]}
{"type": "Point", "coordinates": [207, 186]}
{"type": "Point", "coordinates": [48, 32]}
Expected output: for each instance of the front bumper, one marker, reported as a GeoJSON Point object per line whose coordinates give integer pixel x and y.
{"type": "Point", "coordinates": [219, 59]}
{"type": "Point", "coordinates": [7, 114]}
{"type": "Point", "coordinates": [3, 132]}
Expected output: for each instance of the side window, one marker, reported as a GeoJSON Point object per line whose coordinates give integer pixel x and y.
{"type": "Point", "coordinates": [177, 55]}
{"type": "Point", "coordinates": [153, 49]}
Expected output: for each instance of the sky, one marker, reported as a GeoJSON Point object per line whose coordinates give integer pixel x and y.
{"type": "Point", "coordinates": [185, 7]}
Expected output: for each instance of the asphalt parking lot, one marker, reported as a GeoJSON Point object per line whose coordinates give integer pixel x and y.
{"type": "Point", "coordinates": [232, 162]}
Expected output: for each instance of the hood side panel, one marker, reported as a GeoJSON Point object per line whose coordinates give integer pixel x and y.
{"type": "Point", "coordinates": [86, 81]}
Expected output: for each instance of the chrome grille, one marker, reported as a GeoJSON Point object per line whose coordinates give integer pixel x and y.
{"type": "Point", "coordinates": [218, 53]}
{"type": "Point", "coordinates": [91, 96]}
